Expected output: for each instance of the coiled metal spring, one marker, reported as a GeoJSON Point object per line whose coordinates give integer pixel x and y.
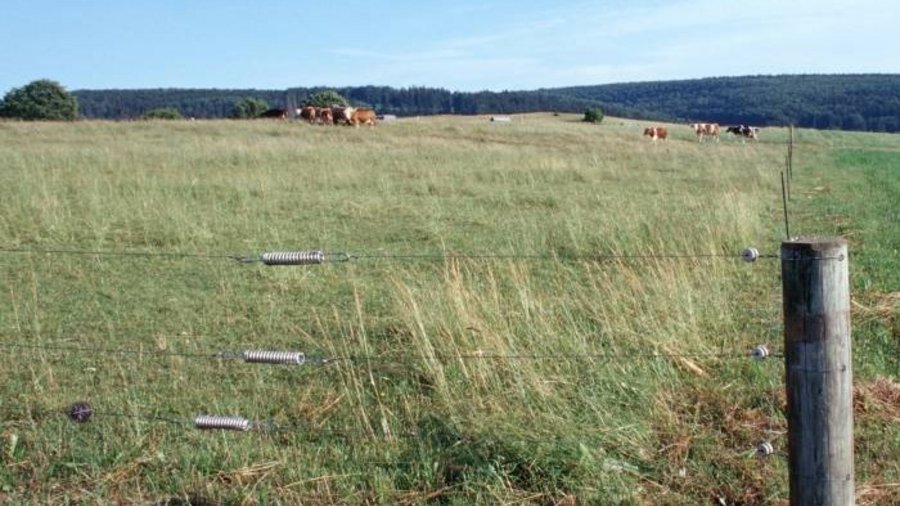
{"type": "Point", "coordinates": [274, 357]}
{"type": "Point", "coordinates": [207, 422]}
{"type": "Point", "coordinates": [293, 257]}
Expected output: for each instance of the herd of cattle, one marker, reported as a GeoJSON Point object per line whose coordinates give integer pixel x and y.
{"type": "Point", "coordinates": [704, 130]}
{"type": "Point", "coordinates": [337, 115]}
{"type": "Point", "coordinates": [355, 116]}
{"type": "Point", "coordinates": [334, 115]}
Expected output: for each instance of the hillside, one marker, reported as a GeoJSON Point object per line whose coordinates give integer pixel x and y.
{"type": "Point", "coordinates": [846, 102]}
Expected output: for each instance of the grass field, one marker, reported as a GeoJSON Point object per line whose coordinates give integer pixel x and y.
{"type": "Point", "coordinates": [489, 359]}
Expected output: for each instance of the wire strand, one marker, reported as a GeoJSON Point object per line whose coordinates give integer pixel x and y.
{"type": "Point", "coordinates": [394, 357]}
{"type": "Point", "coordinates": [117, 253]}
{"type": "Point", "coordinates": [344, 256]}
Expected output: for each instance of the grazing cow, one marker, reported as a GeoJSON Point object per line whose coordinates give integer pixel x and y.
{"type": "Point", "coordinates": [275, 114]}
{"type": "Point", "coordinates": [341, 114]}
{"type": "Point", "coordinates": [704, 129]}
{"type": "Point", "coordinates": [656, 133]}
{"type": "Point", "coordinates": [308, 113]}
{"type": "Point", "coordinates": [745, 132]}
{"type": "Point", "coordinates": [363, 116]}
{"type": "Point", "coordinates": [325, 115]}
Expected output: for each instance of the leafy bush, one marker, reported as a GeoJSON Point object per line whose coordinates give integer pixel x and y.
{"type": "Point", "coordinates": [593, 115]}
{"type": "Point", "coordinates": [40, 100]}
{"type": "Point", "coordinates": [327, 98]}
{"type": "Point", "coordinates": [247, 108]}
{"type": "Point", "coordinates": [163, 113]}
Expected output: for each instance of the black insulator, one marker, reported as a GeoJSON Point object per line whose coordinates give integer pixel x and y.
{"type": "Point", "coordinates": [80, 412]}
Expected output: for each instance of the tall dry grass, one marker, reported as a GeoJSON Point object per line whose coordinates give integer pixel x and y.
{"type": "Point", "coordinates": [600, 364]}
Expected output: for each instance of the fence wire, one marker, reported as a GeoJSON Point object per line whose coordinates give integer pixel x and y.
{"type": "Point", "coordinates": [299, 358]}
{"type": "Point", "coordinates": [307, 257]}
{"type": "Point", "coordinates": [82, 412]}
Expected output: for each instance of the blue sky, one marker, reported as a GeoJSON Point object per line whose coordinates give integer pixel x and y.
{"type": "Point", "coordinates": [460, 44]}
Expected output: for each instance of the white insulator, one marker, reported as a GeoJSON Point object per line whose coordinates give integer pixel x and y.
{"type": "Point", "coordinates": [761, 352]}
{"type": "Point", "coordinates": [750, 254]}
{"type": "Point", "coordinates": [274, 357]}
{"type": "Point", "coordinates": [293, 257]}
{"type": "Point", "coordinates": [206, 422]}
{"type": "Point", "coordinates": [765, 449]}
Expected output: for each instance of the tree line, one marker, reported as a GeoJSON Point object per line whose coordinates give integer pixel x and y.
{"type": "Point", "coordinates": [834, 101]}
{"type": "Point", "coordinates": [414, 101]}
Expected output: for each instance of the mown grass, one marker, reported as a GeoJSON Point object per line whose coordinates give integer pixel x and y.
{"type": "Point", "coordinates": [584, 415]}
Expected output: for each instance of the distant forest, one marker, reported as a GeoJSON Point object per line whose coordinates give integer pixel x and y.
{"type": "Point", "coordinates": [848, 102]}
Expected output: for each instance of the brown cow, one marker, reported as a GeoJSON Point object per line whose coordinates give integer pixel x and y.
{"type": "Point", "coordinates": [656, 133]}
{"type": "Point", "coordinates": [274, 114]}
{"type": "Point", "coordinates": [324, 115]}
{"type": "Point", "coordinates": [342, 115]}
{"type": "Point", "coordinates": [363, 117]}
{"type": "Point", "coordinates": [308, 113]}
{"type": "Point", "coordinates": [704, 129]}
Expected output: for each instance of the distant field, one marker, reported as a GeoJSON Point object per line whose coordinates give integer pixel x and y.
{"type": "Point", "coordinates": [493, 350]}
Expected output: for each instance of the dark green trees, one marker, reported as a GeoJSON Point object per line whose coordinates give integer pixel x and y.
{"type": "Point", "coordinates": [39, 100]}
{"type": "Point", "coordinates": [163, 113]}
{"type": "Point", "coordinates": [326, 98]}
{"type": "Point", "coordinates": [249, 108]}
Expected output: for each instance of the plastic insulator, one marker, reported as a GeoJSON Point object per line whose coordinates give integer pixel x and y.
{"type": "Point", "coordinates": [274, 357]}
{"type": "Point", "coordinates": [293, 257]}
{"type": "Point", "coordinates": [765, 449]}
{"type": "Point", "coordinates": [80, 412]}
{"type": "Point", "coordinates": [207, 422]}
{"type": "Point", "coordinates": [761, 352]}
{"type": "Point", "coordinates": [750, 254]}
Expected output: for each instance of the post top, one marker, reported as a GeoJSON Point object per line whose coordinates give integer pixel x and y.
{"type": "Point", "coordinates": [814, 242]}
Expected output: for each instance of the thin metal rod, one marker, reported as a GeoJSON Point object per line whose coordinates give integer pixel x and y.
{"type": "Point", "coordinates": [787, 227]}
{"type": "Point", "coordinates": [114, 253]}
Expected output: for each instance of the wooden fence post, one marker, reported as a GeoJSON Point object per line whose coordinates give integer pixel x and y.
{"type": "Point", "coordinates": [819, 377]}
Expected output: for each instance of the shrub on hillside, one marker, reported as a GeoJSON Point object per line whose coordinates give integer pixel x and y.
{"type": "Point", "coordinates": [163, 113]}
{"type": "Point", "coordinates": [248, 108]}
{"type": "Point", "coordinates": [593, 115]}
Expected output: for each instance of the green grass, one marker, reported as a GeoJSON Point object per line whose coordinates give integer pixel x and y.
{"type": "Point", "coordinates": [424, 420]}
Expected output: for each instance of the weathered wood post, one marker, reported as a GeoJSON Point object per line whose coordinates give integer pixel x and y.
{"type": "Point", "coordinates": [816, 290]}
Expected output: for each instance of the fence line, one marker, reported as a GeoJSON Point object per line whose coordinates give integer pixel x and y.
{"type": "Point", "coordinates": [292, 357]}
{"type": "Point", "coordinates": [82, 412]}
{"type": "Point", "coordinates": [310, 257]}
{"type": "Point", "coordinates": [117, 253]}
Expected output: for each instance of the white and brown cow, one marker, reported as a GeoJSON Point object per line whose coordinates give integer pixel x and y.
{"type": "Point", "coordinates": [341, 115]}
{"type": "Point", "coordinates": [706, 129]}
{"type": "Point", "coordinates": [363, 116]}
{"type": "Point", "coordinates": [656, 133]}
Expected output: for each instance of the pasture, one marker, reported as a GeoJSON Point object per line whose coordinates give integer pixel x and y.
{"type": "Point", "coordinates": [536, 312]}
